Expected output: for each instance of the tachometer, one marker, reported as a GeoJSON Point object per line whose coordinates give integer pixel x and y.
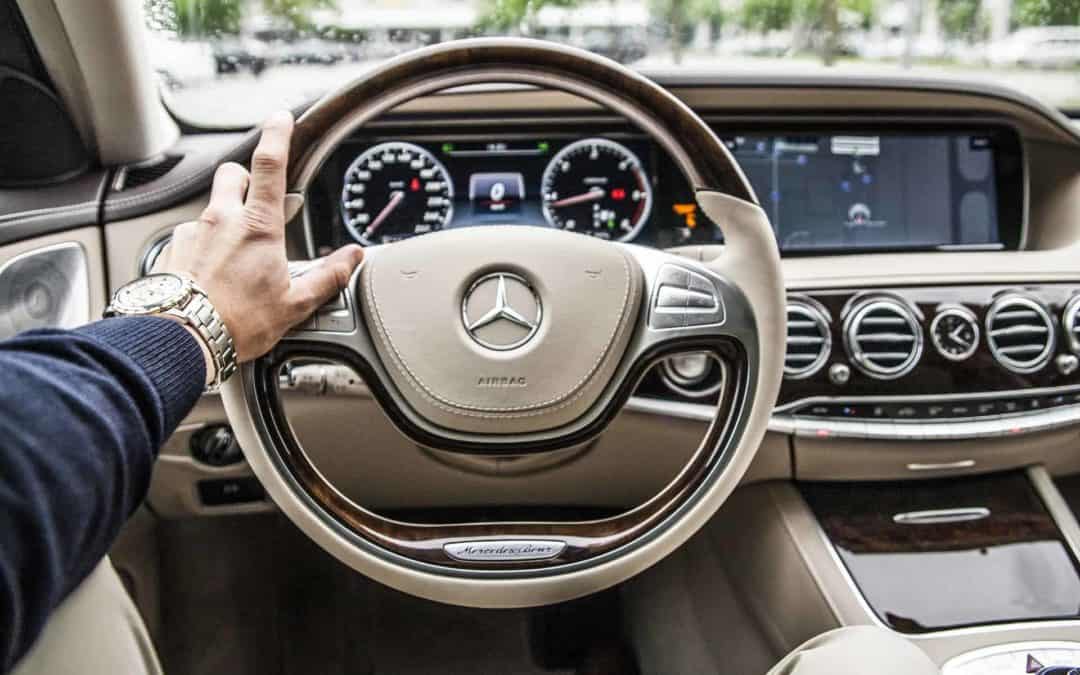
{"type": "Point", "coordinates": [598, 187]}
{"type": "Point", "coordinates": [393, 191]}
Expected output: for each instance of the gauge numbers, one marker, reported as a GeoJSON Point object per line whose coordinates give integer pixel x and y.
{"type": "Point", "coordinates": [597, 187]}
{"type": "Point", "coordinates": [393, 191]}
{"type": "Point", "coordinates": [955, 333]}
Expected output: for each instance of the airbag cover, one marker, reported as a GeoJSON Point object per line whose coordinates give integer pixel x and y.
{"type": "Point", "coordinates": [500, 329]}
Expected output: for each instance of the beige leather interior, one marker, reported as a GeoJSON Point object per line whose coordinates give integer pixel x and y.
{"type": "Point", "coordinates": [855, 650]}
{"type": "Point", "coordinates": [750, 553]}
{"type": "Point", "coordinates": [112, 94]}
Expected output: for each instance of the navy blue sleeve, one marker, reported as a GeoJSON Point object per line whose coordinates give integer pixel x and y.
{"type": "Point", "coordinates": [83, 414]}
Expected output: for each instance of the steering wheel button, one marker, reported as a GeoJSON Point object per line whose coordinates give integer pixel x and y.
{"type": "Point", "coordinates": [335, 303]}
{"type": "Point", "coordinates": [671, 297]}
{"type": "Point", "coordinates": [673, 275]}
{"type": "Point", "coordinates": [340, 321]}
{"type": "Point", "coordinates": [698, 282]}
{"type": "Point", "coordinates": [700, 300]}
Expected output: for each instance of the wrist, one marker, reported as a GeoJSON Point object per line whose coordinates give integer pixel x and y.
{"type": "Point", "coordinates": [178, 297]}
{"type": "Point", "coordinates": [208, 358]}
{"type": "Point", "coordinates": [204, 349]}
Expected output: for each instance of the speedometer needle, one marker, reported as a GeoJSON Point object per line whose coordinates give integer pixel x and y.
{"type": "Point", "coordinates": [395, 198]}
{"type": "Point", "coordinates": [590, 196]}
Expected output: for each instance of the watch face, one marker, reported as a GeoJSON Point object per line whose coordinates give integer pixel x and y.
{"type": "Point", "coordinates": [955, 333]}
{"type": "Point", "coordinates": [150, 293]}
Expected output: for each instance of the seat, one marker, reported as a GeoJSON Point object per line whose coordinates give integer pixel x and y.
{"type": "Point", "coordinates": [96, 631]}
{"type": "Point", "coordinates": [856, 650]}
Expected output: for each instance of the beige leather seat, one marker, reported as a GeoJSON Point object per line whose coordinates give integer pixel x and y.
{"type": "Point", "coordinates": [856, 650]}
{"type": "Point", "coordinates": [98, 631]}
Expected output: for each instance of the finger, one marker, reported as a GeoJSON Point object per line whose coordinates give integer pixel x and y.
{"type": "Point", "coordinates": [226, 193]}
{"type": "Point", "coordinates": [265, 199]}
{"type": "Point", "coordinates": [322, 282]}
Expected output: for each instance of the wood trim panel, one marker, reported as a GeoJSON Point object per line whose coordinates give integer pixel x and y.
{"type": "Point", "coordinates": [423, 542]}
{"type": "Point", "coordinates": [934, 374]}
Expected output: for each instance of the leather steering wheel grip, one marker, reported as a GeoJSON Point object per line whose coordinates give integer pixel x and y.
{"type": "Point", "coordinates": [593, 555]}
{"type": "Point", "coordinates": [702, 156]}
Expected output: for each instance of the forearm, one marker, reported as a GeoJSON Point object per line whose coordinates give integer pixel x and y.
{"type": "Point", "coordinates": [83, 416]}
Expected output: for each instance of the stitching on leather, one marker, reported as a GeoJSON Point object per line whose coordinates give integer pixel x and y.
{"type": "Point", "coordinates": [201, 173]}
{"type": "Point", "coordinates": [467, 410]}
{"type": "Point", "coordinates": [17, 216]}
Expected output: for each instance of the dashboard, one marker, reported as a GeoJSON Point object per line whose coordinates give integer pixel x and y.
{"type": "Point", "coordinates": [827, 189]}
{"type": "Point", "coordinates": [988, 371]}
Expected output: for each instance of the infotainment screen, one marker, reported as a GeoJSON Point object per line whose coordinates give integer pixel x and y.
{"type": "Point", "coordinates": [858, 191]}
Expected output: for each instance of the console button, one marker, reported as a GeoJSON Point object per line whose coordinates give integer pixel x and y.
{"type": "Point", "coordinates": [878, 412]}
{"type": "Point", "coordinates": [1010, 406]}
{"type": "Point", "coordinates": [983, 408]}
{"type": "Point", "coordinates": [936, 410]}
{"type": "Point", "coordinates": [1056, 400]}
{"type": "Point", "coordinates": [225, 491]}
{"type": "Point", "coordinates": [216, 445]}
{"type": "Point", "coordinates": [906, 412]}
{"type": "Point", "coordinates": [960, 409]}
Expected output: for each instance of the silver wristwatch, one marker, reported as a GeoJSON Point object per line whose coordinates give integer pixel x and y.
{"type": "Point", "coordinates": [178, 296]}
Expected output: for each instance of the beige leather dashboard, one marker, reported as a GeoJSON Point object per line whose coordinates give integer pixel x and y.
{"type": "Point", "coordinates": [643, 449]}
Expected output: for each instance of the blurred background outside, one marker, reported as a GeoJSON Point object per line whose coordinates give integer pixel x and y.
{"type": "Point", "coordinates": [227, 63]}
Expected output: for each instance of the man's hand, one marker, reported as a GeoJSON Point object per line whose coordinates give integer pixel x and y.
{"type": "Point", "coordinates": [236, 250]}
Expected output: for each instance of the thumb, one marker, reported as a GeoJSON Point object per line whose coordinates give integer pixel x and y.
{"type": "Point", "coordinates": [323, 281]}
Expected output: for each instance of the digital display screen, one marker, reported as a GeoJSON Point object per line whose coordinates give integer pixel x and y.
{"type": "Point", "coordinates": [824, 191]}
{"type": "Point", "coordinates": [864, 191]}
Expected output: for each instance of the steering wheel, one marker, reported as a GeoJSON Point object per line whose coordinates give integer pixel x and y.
{"type": "Point", "coordinates": [512, 340]}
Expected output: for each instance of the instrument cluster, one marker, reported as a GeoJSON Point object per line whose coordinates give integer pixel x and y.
{"type": "Point", "coordinates": [617, 186]}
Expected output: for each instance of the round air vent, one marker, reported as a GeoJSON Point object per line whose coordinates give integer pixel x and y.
{"type": "Point", "coordinates": [809, 340]}
{"type": "Point", "coordinates": [1070, 320]}
{"type": "Point", "coordinates": [883, 338]}
{"type": "Point", "coordinates": [1020, 333]}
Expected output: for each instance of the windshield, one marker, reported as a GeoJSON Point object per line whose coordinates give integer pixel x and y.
{"type": "Point", "coordinates": [228, 63]}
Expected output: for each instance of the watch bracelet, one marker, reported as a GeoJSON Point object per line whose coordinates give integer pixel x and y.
{"type": "Point", "coordinates": [202, 316]}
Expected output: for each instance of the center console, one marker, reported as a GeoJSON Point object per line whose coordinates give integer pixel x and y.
{"type": "Point", "coordinates": [943, 554]}
{"type": "Point", "coordinates": [963, 566]}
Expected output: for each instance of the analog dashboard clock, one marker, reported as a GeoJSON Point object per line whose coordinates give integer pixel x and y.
{"type": "Point", "coordinates": [955, 333]}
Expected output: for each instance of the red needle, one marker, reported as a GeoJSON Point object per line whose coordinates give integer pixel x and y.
{"type": "Point", "coordinates": [395, 198]}
{"type": "Point", "coordinates": [590, 196]}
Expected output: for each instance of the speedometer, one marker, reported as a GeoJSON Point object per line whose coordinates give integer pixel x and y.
{"type": "Point", "coordinates": [393, 191]}
{"type": "Point", "coordinates": [598, 187]}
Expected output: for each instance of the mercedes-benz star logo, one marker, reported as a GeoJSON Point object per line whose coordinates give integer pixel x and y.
{"type": "Point", "coordinates": [501, 311]}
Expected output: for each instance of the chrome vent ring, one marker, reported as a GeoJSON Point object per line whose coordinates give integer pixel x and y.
{"type": "Point", "coordinates": [883, 338]}
{"type": "Point", "coordinates": [1070, 321]}
{"type": "Point", "coordinates": [809, 340]}
{"type": "Point", "coordinates": [1020, 333]}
